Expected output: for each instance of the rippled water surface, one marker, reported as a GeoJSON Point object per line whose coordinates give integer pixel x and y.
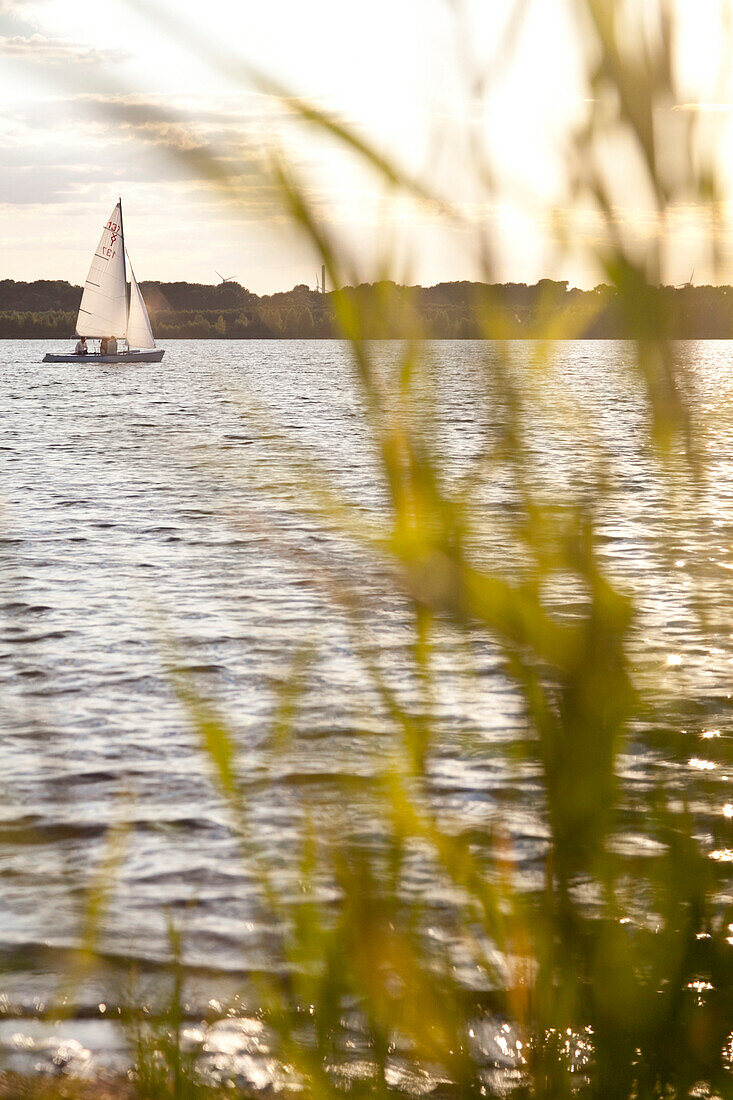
{"type": "Point", "coordinates": [144, 508]}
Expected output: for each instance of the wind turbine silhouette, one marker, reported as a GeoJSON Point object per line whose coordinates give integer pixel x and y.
{"type": "Point", "coordinates": [225, 278]}
{"type": "Point", "coordinates": [681, 286]}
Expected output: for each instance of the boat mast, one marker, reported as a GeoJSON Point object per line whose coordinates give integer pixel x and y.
{"type": "Point", "coordinates": [124, 272]}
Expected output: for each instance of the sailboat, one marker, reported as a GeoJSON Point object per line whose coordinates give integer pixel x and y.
{"type": "Point", "coordinates": [105, 310]}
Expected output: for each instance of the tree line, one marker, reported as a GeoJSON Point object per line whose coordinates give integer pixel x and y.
{"type": "Point", "coordinates": [47, 309]}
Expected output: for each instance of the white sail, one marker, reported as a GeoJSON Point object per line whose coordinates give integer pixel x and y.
{"type": "Point", "coordinates": [139, 332]}
{"type": "Point", "coordinates": [103, 309]}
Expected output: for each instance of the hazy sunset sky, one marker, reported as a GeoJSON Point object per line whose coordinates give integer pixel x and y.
{"type": "Point", "coordinates": [79, 76]}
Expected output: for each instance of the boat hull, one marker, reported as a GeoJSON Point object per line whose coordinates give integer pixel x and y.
{"type": "Point", "coordinates": [122, 357]}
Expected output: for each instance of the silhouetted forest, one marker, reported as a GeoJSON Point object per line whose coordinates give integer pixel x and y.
{"type": "Point", "coordinates": [460, 310]}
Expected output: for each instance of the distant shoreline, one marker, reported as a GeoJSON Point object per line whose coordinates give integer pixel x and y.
{"type": "Point", "coordinates": [55, 341]}
{"type": "Point", "coordinates": [549, 309]}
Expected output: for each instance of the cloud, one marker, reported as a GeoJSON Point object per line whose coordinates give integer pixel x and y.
{"type": "Point", "coordinates": [39, 49]}
{"type": "Point", "coordinates": [199, 117]}
{"type": "Point", "coordinates": [57, 184]}
{"type": "Point", "coordinates": [64, 165]}
{"type": "Point", "coordinates": [223, 127]}
{"type": "Point", "coordinates": [18, 6]}
{"type": "Point", "coordinates": [204, 159]}
{"type": "Point", "coordinates": [705, 108]}
{"type": "Point", "coordinates": [20, 10]}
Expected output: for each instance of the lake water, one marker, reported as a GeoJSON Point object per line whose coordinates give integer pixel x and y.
{"type": "Point", "coordinates": [158, 510]}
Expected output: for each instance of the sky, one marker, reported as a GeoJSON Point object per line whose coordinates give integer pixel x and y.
{"type": "Point", "coordinates": [93, 98]}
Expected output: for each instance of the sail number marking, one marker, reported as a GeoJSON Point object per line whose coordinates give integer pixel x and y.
{"type": "Point", "coordinates": [114, 230]}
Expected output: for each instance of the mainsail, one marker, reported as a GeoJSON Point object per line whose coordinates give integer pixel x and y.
{"type": "Point", "coordinates": [139, 332]}
{"type": "Point", "coordinates": [103, 309]}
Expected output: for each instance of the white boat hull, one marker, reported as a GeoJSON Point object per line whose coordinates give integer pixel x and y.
{"type": "Point", "coordinates": [122, 357]}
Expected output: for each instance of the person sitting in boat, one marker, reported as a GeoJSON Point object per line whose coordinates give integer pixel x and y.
{"type": "Point", "coordinates": [81, 347]}
{"type": "Point", "coordinates": [103, 345]}
{"type": "Point", "coordinates": [112, 345]}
